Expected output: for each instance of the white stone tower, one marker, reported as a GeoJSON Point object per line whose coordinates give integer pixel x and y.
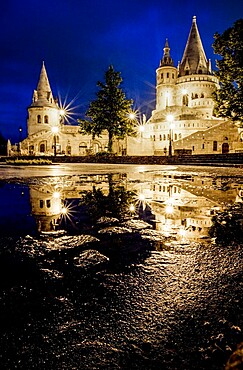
{"type": "Point", "coordinates": [44, 112]}
{"type": "Point", "coordinates": [166, 76]}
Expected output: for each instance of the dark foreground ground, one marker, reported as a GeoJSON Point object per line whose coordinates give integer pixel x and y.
{"type": "Point", "coordinates": [114, 301]}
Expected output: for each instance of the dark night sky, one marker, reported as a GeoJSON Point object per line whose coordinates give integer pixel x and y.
{"type": "Point", "coordinates": [79, 39]}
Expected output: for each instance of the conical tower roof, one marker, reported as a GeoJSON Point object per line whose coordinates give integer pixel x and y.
{"type": "Point", "coordinates": [43, 95]}
{"type": "Point", "coordinates": [166, 60]}
{"type": "Point", "coordinates": [194, 60]}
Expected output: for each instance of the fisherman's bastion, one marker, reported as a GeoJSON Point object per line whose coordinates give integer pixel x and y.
{"type": "Point", "coordinates": [182, 121]}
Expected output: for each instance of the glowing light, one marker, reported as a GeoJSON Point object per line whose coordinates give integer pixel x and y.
{"type": "Point", "coordinates": [182, 232]}
{"type": "Point", "coordinates": [54, 129]}
{"type": "Point", "coordinates": [167, 94]}
{"type": "Point", "coordinates": [141, 128]}
{"type": "Point", "coordinates": [170, 118]}
{"type": "Point", "coordinates": [184, 91]}
{"type": "Point", "coordinates": [56, 209]}
{"type": "Point", "coordinates": [169, 209]}
{"type": "Point", "coordinates": [132, 208]}
{"type": "Point", "coordinates": [64, 210]}
{"type": "Point", "coordinates": [67, 110]}
{"type": "Point", "coordinates": [141, 197]}
{"type": "Point", "coordinates": [132, 116]}
{"type": "Point", "coordinates": [56, 195]}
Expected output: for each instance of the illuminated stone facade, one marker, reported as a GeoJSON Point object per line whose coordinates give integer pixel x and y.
{"type": "Point", "coordinates": [183, 119]}
{"type": "Point", "coordinates": [47, 133]}
{"type": "Point", "coordinates": [182, 122]}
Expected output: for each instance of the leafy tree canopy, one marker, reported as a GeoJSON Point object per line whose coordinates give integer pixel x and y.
{"type": "Point", "coordinates": [229, 98]}
{"type": "Point", "coordinates": [110, 111]}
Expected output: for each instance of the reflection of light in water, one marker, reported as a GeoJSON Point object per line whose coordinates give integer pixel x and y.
{"type": "Point", "coordinates": [182, 232]}
{"type": "Point", "coordinates": [56, 209]}
{"type": "Point", "coordinates": [67, 212]}
{"type": "Point", "coordinates": [64, 210]}
{"type": "Point", "coordinates": [56, 170]}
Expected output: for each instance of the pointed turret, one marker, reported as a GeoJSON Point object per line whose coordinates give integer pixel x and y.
{"type": "Point", "coordinates": [44, 111]}
{"type": "Point", "coordinates": [166, 60]}
{"type": "Point", "coordinates": [194, 60]}
{"type": "Point", "coordinates": [43, 95]}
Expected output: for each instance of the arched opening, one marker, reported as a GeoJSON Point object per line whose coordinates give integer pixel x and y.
{"type": "Point", "coordinates": [96, 147]}
{"type": "Point", "coordinates": [46, 119]}
{"type": "Point", "coordinates": [42, 148]}
{"type": "Point", "coordinates": [31, 149]}
{"type": "Point", "coordinates": [39, 118]}
{"type": "Point", "coordinates": [225, 148]}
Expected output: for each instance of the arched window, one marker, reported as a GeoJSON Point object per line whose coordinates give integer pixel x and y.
{"type": "Point", "coordinates": [42, 148]}
{"type": "Point", "coordinates": [46, 119]}
{"type": "Point", "coordinates": [187, 73]}
{"type": "Point", "coordinates": [199, 71]}
{"type": "Point", "coordinates": [202, 95]}
{"type": "Point", "coordinates": [185, 100]}
{"type": "Point", "coordinates": [175, 136]}
{"type": "Point", "coordinates": [39, 118]}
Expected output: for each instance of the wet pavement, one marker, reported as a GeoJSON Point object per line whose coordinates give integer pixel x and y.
{"type": "Point", "coordinates": [120, 294]}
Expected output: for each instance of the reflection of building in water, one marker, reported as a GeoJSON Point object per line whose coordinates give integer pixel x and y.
{"type": "Point", "coordinates": [46, 207]}
{"type": "Point", "coordinates": [182, 205]}
{"type": "Point", "coordinates": [48, 202]}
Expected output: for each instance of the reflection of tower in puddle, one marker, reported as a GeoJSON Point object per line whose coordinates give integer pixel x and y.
{"type": "Point", "coordinates": [184, 205]}
{"type": "Point", "coordinates": [46, 205]}
{"type": "Point", "coordinates": [178, 210]}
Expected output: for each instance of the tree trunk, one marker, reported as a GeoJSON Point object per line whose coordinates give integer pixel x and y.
{"type": "Point", "coordinates": [110, 142]}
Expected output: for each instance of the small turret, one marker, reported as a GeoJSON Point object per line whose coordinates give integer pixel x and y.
{"type": "Point", "coordinates": [166, 60]}
{"type": "Point", "coordinates": [166, 80]}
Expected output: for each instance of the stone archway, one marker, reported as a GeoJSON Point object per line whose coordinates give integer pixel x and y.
{"type": "Point", "coordinates": [225, 148]}
{"type": "Point", "coordinates": [96, 147]}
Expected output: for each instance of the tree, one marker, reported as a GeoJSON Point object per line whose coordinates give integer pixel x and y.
{"type": "Point", "coordinates": [110, 111]}
{"type": "Point", "coordinates": [229, 98]}
{"type": "Point", "coordinates": [227, 225]}
{"type": "Point", "coordinates": [115, 204]}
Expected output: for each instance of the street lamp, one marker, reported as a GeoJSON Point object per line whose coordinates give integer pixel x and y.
{"type": "Point", "coordinates": [170, 118]}
{"type": "Point", "coordinates": [55, 130]}
{"type": "Point", "coordinates": [20, 137]}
